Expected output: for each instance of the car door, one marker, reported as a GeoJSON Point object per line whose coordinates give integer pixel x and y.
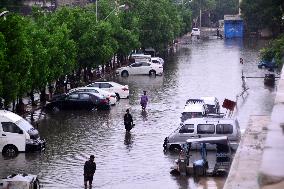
{"type": "Point", "coordinates": [186, 132]}
{"type": "Point", "coordinates": [145, 68]}
{"type": "Point", "coordinates": [105, 86]}
{"type": "Point", "coordinates": [85, 102]}
{"type": "Point", "coordinates": [134, 68]}
{"type": "Point", "coordinates": [71, 101]}
{"type": "Point", "coordinates": [12, 134]}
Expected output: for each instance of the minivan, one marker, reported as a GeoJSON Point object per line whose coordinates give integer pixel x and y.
{"type": "Point", "coordinates": [18, 135]}
{"type": "Point", "coordinates": [204, 127]}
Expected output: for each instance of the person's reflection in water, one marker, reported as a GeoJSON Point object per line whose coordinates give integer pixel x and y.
{"type": "Point", "coordinates": [128, 140]}
{"type": "Point", "coordinates": [144, 115]}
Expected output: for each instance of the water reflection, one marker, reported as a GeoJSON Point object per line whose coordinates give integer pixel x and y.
{"type": "Point", "coordinates": [144, 114]}
{"type": "Point", "coordinates": [128, 140]}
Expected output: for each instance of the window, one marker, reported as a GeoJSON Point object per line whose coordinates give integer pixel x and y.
{"type": "Point", "coordinates": [224, 129]}
{"type": "Point", "coordinates": [73, 96]}
{"type": "Point", "coordinates": [205, 129]}
{"type": "Point", "coordinates": [84, 97]}
{"type": "Point", "coordinates": [138, 64]}
{"type": "Point", "coordinates": [10, 127]}
{"type": "Point", "coordinates": [95, 85]}
{"type": "Point", "coordinates": [187, 128]}
{"type": "Point", "coordinates": [105, 85]}
{"type": "Point", "coordinates": [145, 64]}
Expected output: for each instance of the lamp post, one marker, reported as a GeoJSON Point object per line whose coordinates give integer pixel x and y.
{"type": "Point", "coordinates": [3, 13]}
{"type": "Point", "coordinates": [120, 6]}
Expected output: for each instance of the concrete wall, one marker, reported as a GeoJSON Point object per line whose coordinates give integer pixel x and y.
{"type": "Point", "coordinates": [271, 174]}
{"type": "Point", "coordinates": [259, 160]}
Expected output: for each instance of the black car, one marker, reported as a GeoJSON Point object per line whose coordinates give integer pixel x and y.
{"type": "Point", "coordinates": [78, 101]}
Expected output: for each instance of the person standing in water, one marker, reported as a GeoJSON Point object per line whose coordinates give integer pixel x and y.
{"type": "Point", "coordinates": [128, 121]}
{"type": "Point", "coordinates": [89, 171]}
{"type": "Point", "coordinates": [144, 100]}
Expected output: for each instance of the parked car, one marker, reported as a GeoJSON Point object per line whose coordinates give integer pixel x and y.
{"type": "Point", "coordinates": [204, 127]}
{"type": "Point", "coordinates": [79, 100]}
{"type": "Point", "coordinates": [18, 135]}
{"type": "Point", "coordinates": [212, 104]}
{"type": "Point", "coordinates": [195, 32]}
{"type": "Point", "coordinates": [140, 68]}
{"type": "Point", "coordinates": [271, 65]}
{"type": "Point", "coordinates": [121, 91]}
{"type": "Point", "coordinates": [157, 60]}
{"type": "Point", "coordinates": [109, 95]}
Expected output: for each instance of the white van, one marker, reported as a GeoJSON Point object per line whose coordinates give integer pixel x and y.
{"type": "Point", "coordinates": [18, 135]}
{"type": "Point", "coordinates": [204, 127]}
{"type": "Point", "coordinates": [193, 110]}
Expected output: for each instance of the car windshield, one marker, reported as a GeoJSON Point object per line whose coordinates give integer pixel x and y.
{"type": "Point", "coordinates": [189, 115]}
{"type": "Point", "coordinates": [25, 125]}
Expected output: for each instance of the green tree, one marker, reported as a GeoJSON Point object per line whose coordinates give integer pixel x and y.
{"type": "Point", "coordinates": [18, 57]}
{"type": "Point", "coordinates": [260, 14]}
{"type": "Point", "coordinates": [274, 50]}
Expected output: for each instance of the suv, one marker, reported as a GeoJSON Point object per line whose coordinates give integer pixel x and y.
{"type": "Point", "coordinates": [195, 32]}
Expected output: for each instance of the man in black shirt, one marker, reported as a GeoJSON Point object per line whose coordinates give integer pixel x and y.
{"type": "Point", "coordinates": [128, 121]}
{"type": "Point", "coordinates": [89, 171]}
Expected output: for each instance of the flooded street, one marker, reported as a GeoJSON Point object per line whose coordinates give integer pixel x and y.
{"type": "Point", "coordinates": [136, 159]}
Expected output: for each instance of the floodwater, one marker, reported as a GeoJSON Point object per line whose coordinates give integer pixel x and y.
{"type": "Point", "coordinates": [136, 159]}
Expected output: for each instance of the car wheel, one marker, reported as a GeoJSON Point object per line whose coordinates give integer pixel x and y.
{"type": "Point", "coordinates": [174, 147]}
{"type": "Point", "coordinates": [10, 150]}
{"type": "Point", "coordinates": [152, 73]}
{"type": "Point", "coordinates": [124, 74]}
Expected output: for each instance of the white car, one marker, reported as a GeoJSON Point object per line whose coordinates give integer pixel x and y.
{"type": "Point", "coordinates": [140, 68]}
{"type": "Point", "coordinates": [157, 60]}
{"type": "Point", "coordinates": [121, 91]}
{"type": "Point", "coordinates": [109, 95]}
{"type": "Point", "coordinates": [195, 32]}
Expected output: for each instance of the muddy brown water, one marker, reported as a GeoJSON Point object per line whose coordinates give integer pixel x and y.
{"type": "Point", "coordinates": [136, 160]}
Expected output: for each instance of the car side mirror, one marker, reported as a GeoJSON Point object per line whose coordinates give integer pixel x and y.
{"type": "Point", "coordinates": [21, 132]}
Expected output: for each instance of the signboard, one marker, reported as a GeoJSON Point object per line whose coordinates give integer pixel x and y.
{"type": "Point", "coordinates": [228, 104]}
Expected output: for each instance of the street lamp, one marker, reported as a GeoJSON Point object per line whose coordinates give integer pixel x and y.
{"type": "Point", "coordinates": [3, 13]}
{"type": "Point", "coordinates": [120, 6]}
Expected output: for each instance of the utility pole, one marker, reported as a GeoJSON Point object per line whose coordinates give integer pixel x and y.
{"type": "Point", "coordinates": [200, 14]}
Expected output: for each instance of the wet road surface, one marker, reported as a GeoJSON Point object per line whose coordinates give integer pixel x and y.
{"type": "Point", "coordinates": [136, 159]}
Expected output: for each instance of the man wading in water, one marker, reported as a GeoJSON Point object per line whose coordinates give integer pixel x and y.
{"type": "Point", "coordinates": [89, 171]}
{"type": "Point", "coordinates": [128, 121]}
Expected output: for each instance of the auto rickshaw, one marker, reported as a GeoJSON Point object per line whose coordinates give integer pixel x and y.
{"type": "Point", "coordinates": [185, 165]}
{"type": "Point", "coordinates": [20, 181]}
